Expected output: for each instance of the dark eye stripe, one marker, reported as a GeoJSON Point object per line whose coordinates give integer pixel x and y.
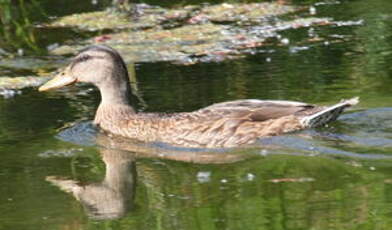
{"type": "Point", "coordinates": [80, 59]}
{"type": "Point", "coordinates": [83, 58]}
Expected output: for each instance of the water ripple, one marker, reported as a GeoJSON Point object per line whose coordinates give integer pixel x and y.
{"type": "Point", "coordinates": [366, 134]}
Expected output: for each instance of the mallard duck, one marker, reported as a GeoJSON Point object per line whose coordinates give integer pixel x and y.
{"type": "Point", "coordinates": [226, 124]}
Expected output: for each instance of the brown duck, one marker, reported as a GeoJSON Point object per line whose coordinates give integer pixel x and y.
{"type": "Point", "coordinates": [226, 124]}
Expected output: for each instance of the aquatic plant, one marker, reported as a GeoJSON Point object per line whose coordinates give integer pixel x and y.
{"type": "Point", "coordinates": [17, 33]}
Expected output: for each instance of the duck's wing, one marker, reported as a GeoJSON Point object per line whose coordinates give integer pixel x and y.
{"type": "Point", "coordinates": [259, 110]}
{"type": "Point", "coordinates": [240, 122]}
{"type": "Point", "coordinates": [255, 103]}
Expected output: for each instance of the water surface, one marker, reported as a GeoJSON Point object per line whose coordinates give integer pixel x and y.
{"type": "Point", "coordinates": [336, 177]}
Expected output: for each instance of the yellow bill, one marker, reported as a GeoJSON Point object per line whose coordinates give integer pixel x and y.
{"type": "Point", "coordinates": [58, 81]}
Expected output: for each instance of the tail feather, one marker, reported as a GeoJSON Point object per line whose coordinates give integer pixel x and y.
{"type": "Point", "coordinates": [329, 114]}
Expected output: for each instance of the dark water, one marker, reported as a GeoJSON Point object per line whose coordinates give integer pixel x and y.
{"type": "Point", "coordinates": [337, 177]}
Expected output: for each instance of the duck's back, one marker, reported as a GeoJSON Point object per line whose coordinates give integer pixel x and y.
{"type": "Point", "coordinates": [225, 124]}
{"type": "Point", "coordinates": [236, 123]}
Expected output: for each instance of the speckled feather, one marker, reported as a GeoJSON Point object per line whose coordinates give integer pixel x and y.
{"type": "Point", "coordinates": [227, 124]}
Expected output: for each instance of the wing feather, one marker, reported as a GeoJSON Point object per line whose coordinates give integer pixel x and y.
{"type": "Point", "coordinates": [256, 110]}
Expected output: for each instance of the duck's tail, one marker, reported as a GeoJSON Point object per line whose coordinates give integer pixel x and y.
{"type": "Point", "coordinates": [328, 114]}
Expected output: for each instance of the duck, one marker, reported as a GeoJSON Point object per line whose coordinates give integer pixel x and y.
{"type": "Point", "coordinates": [220, 125]}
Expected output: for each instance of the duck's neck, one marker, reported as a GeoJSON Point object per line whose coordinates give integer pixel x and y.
{"type": "Point", "coordinates": [115, 93]}
{"type": "Point", "coordinates": [115, 103]}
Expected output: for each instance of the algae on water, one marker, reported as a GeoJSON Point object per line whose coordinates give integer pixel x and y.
{"type": "Point", "coordinates": [186, 35]}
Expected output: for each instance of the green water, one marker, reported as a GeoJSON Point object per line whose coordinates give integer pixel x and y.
{"type": "Point", "coordinates": [339, 177]}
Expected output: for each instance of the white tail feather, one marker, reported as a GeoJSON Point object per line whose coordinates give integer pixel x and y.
{"type": "Point", "coordinates": [329, 114]}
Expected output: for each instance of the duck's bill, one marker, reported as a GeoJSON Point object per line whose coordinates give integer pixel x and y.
{"type": "Point", "coordinates": [57, 82]}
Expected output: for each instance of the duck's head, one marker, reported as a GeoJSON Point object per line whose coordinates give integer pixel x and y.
{"type": "Point", "coordinates": [99, 65]}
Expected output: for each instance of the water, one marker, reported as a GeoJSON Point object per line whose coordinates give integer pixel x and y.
{"type": "Point", "coordinates": [337, 177]}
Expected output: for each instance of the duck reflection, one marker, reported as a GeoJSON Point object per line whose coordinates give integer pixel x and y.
{"type": "Point", "coordinates": [169, 152]}
{"type": "Point", "coordinates": [114, 196]}
{"type": "Point", "coordinates": [308, 191]}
